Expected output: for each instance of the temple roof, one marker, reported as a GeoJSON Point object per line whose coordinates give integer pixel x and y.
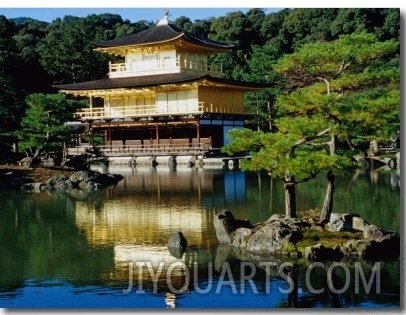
{"type": "Point", "coordinates": [155, 80]}
{"type": "Point", "coordinates": [162, 33]}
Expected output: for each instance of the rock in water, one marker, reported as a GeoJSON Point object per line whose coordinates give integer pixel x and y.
{"type": "Point", "coordinates": [372, 232]}
{"type": "Point", "coordinates": [225, 224]}
{"type": "Point", "coordinates": [359, 224]}
{"type": "Point", "coordinates": [177, 244]}
{"type": "Point", "coordinates": [274, 236]}
{"type": "Point", "coordinates": [320, 252]}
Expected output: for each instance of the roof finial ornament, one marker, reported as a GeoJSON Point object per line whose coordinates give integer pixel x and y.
{"type": "Point", "coordinates": [164, 20]}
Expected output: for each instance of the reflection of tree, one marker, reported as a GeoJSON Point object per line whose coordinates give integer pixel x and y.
{"type": "Point", "coordinates": [367, 191]}
{"type": "Point", "coordinates": [339, 287]}
{"type": "Point", "coordinates": [45, 243]}
{"type": "Point", "coordinates": [293, 295]}
{"type": "Point", "coordinates": [326, 284]}
{"type": "Point", "coordinates": [334, 297]}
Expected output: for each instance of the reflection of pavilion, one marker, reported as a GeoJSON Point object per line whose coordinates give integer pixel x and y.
{"type": "Point", "coordinates": [141, 220]}
{"type": "Point", "coordinates": [154, 268]}
{"type": "Point", "coordinates": [139, 215]}
{"type": "Point", "coordinates": [149, 205]}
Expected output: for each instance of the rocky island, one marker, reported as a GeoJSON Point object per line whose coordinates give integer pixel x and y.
{"type": "Point", "coordinates": [345, 235]}
{"type": "Point", "coordinates": [53, 178]}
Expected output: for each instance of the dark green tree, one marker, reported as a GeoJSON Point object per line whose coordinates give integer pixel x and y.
{"type": "Point", "coordinates": [286, 154]}
{"type": "Point", "coordinates": [10, 98]}
{"type": "Point", "coordinates": [384, 23]}
{"type": "Point", "coordinates": [44, 125]}
{"type": "Point", "coordinates": [201, 27]}
{"type": "Point", "coordinates": [235, 28]}
{"type": "Point", "coordinates": [27, 38]}
{"type": "Point", "coordinates": [306, 25]}
{"type": "Point", "coordinates": [67, 51]}
{"type": "Point", "coordinates": [335, 89]}
{"type": "Point", "coordinates": [183, 23]}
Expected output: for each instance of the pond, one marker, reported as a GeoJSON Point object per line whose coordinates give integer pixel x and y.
{"type": "Point", "coordinates": [108, 248]}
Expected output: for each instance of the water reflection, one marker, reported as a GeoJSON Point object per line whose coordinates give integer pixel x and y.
{"type": "Point", "coordinates": [147, 207]}
{"type": "Point", "coordinates": [82, 247]}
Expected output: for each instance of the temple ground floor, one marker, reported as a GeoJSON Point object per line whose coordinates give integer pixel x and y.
{"type": "Point", "coordinates": [158, 136]}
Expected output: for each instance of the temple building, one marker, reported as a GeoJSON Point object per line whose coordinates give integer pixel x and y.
{"type": "Point", "coordinates": [163, 98]}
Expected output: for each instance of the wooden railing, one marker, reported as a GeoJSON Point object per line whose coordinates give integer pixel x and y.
{"type": "Point", "coordinates": [150, 110]}
{"type": "Point", "coordinates": [143, 149]}
{"type": "Point", "coordinates": [141, 68]}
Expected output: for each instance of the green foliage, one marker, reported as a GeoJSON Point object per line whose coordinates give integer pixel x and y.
{"type": "Point", "coordinates": [44, 123]}
{"type": "Point", "coordinates": [62, 52]}
{"type": "Point", "coordinates": [363, 79]}
{"type": "Point", "coordinates": [355, 20]}
{"type": "Point", "coordinates": [10, 101]}
{"type": "Point", "coordinates": [279, 153]}
{"type": "Point", "coordinates": [339, 91]}
{"type": "Point", "coordinates": [242, 30]}
{"type": "Point", "coordinates": [327, 60]}
{"type": "Point", "coordinates": [66, 52]}
{"type": "Point", "coordinates": [326, 238]}
{"type": "Point", "coordinates": [307, 25]}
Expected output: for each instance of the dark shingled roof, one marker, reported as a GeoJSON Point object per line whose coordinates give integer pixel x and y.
{"type": "Point", "coordinates": [162, 33]}
{"type": "Point", "coordinates": [150, 81]}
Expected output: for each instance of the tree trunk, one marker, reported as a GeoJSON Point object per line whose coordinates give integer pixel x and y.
{"type": "Point", "coordinates": [328, 199]}
{"type": "Point", "coordinates": [290, 198]}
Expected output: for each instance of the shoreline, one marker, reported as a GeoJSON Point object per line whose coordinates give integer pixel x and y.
{"type": "Point", "coordinates": [31, 175]}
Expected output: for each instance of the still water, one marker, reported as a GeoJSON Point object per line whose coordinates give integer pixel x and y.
{"type": "Point", "coordinates": [108, 248]}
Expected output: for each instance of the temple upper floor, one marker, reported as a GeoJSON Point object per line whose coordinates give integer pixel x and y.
{"type": "Point", "coordinates": [162, 49]}
{"type": "Point", "coordinates": [143, 62]}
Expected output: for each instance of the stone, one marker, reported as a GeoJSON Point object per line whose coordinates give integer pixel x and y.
{"type": "Point", "coordinates": [81, 176]}
{"type": "Point", "coordinates": [275, 217]}
{"type": "Point", "coordinates": [37, 186]}
{"type": "Point", "coordinates": [225, 224]}
{"type": "Point", "coordinates": [177, 245]}
{"type": "Point", "coordinates": [336, 217]}
{"type": "Point", "coordinates": [340, 222]}
{"type": "Point", "coordinates": [48, 162]}
{"type": "Point", "coordinates": [359, 224]}
{"type": "Point", "coordinates": [335, 226]}
{"type": "Point", "coordinates": [54, 179]}
{"type": "Point", "coordinates": [62, 185]}
{"type": "Point", "coordinates": [372, 232]}
{"type": "Point", "coordinates": [355, 248]}
{"type": "Point", "coordinates": [386, 246]}
{"type": "Point", "coordinates": [240, 236]}
{"type": "Point", "coordinates": [26, 162]}
{"type": "Point", "coordinates": [90, 185]}
{"type": "Point", "coordinates": [91, 180]}
{"type": "Point", "coordinates": [59, 183]}
{"type": "Point", "coordinates": [278, 235]}
{"type": "Point", "coordinates": [177, 240]}
{"type": "Point", "coordinates": [274, 236]}
{"type": "Point", "coordinates": [320, 252]}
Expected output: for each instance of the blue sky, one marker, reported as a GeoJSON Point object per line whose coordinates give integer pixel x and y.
{"type": "Point", "coordinates": [132, 14]}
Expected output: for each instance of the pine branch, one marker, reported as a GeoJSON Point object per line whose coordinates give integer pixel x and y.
{"type": "Point", "coordinates": [308, 178]}
{"type": "Point", "coordinates": [319, 144]}
{"type": "Point", "coordinates": [307, 139]}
